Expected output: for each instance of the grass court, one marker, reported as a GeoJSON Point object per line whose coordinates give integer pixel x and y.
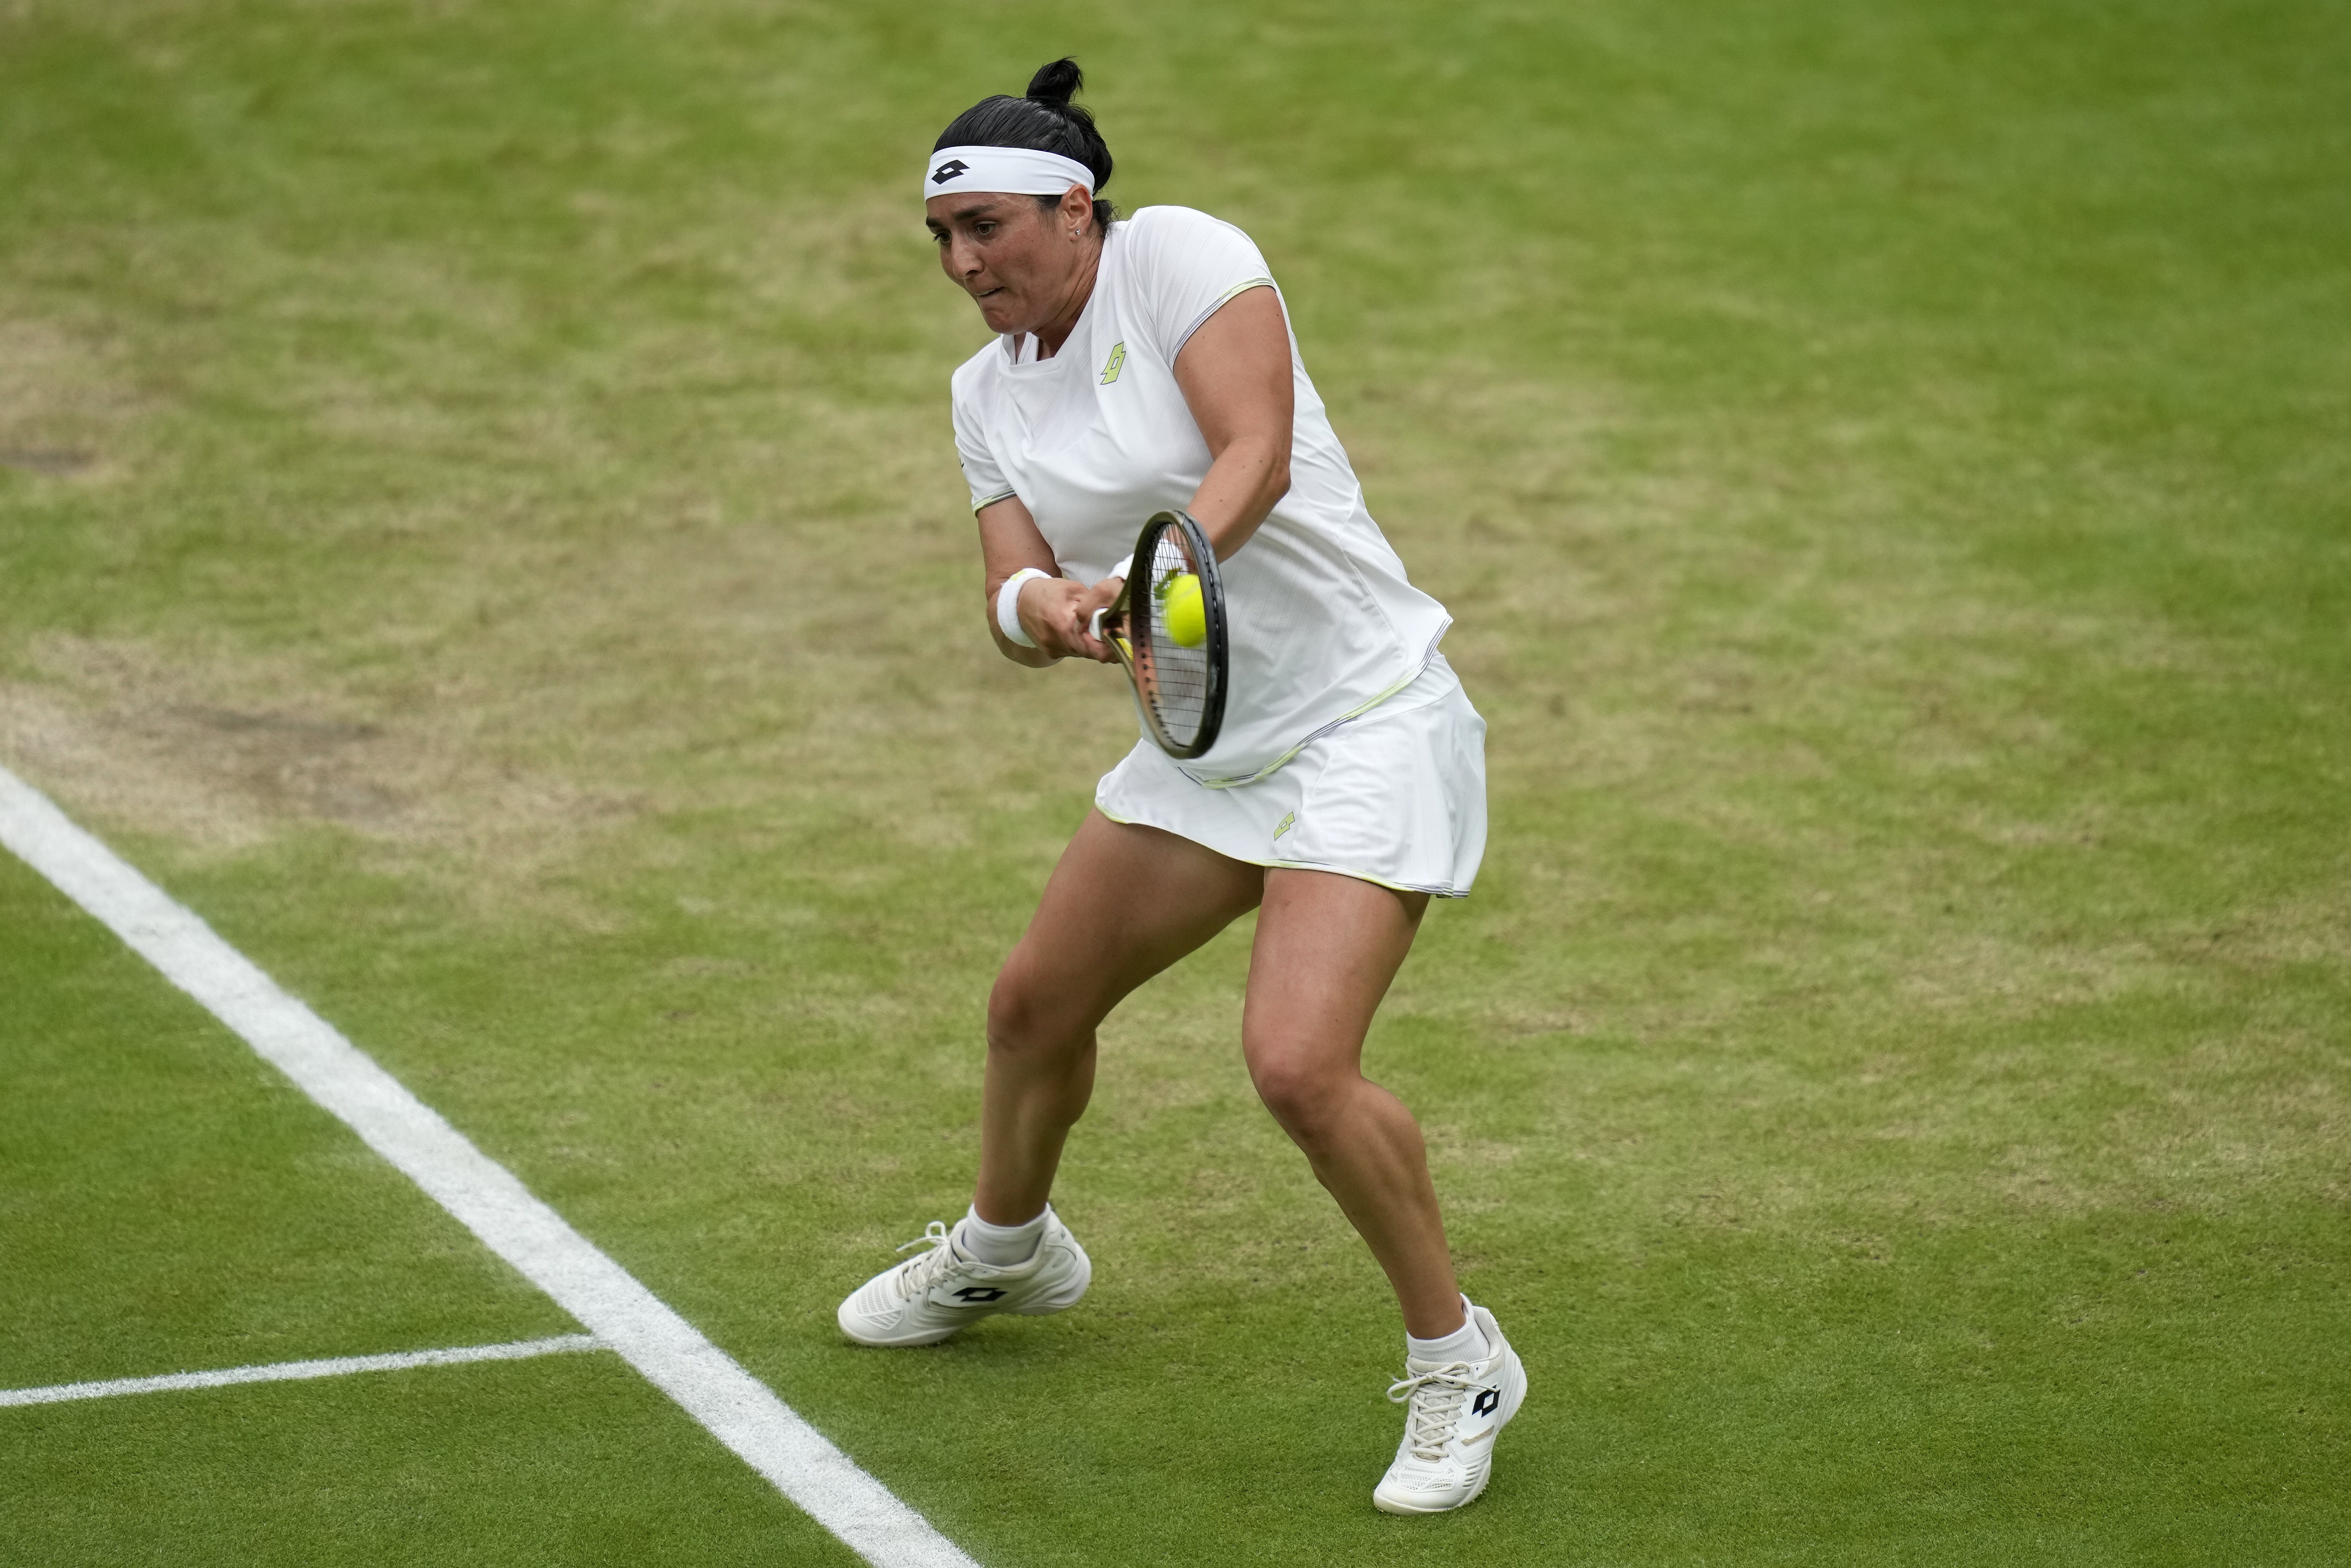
{"type": "Point", "coordinates": [479, 524]}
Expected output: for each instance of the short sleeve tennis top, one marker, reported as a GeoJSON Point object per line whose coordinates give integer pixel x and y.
{"type": "Point", "coordinates": [1323, 624]}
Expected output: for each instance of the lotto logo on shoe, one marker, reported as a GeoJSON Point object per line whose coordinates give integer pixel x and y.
{"type": "Point", "coordinates": [979, 1295]}
{"type": "Point", "coordinates": [1488, 1401]}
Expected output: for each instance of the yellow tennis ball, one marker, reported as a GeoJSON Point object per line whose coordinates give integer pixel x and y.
{"type": "Point", "coordinates": [1181, 611]}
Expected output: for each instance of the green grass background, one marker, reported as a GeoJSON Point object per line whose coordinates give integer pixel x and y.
{"type": "Point", "coordinates": [484, 532]}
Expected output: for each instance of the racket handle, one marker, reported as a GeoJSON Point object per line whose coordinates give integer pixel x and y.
{"type": "Point", "coordinates": [1093, 626]}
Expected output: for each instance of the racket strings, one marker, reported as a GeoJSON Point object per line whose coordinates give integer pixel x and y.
{"type": "Point", "coordinates": [1175, 677]}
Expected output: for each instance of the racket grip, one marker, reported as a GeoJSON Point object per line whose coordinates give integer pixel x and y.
{"type": "Point", "coordinates": [1093, 626]}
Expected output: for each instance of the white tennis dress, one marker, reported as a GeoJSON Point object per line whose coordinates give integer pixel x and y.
{"type": "Point", "coordinates": [1348, 744]}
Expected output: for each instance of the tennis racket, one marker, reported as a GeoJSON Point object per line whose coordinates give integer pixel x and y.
{"type": "Point", "coordinates": [1168, 628]}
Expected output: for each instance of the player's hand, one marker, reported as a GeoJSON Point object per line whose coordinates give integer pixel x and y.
{"type": "Point", "coordinates": [1101, 596]}
{"type": "Point", "coordinates": [1050, 612]}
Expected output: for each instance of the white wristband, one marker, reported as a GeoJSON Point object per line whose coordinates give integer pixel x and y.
{"type": "Point", "coordinates": [1007, 607]}
{"type": "Point", "coordinates": [1121, 569]}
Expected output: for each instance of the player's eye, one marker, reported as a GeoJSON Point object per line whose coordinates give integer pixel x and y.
{"type": "Point", "coordinates": [983, 230]}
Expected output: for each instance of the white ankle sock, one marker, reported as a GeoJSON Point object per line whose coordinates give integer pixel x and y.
{"type": "Point", "coordinates": [1000, 1246]}
{"type": "Point", "coordinates": [1467, 1342]}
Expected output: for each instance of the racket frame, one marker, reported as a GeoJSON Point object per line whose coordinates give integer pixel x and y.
{"type": "Point", "coordinates": [1125, 625]}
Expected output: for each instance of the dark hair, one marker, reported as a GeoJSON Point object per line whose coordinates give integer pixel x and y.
{"type": "Point", "coordinates": [1044, 121]}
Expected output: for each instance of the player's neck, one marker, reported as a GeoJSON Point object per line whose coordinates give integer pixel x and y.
{"type": "Point", "coordinates": [1056, 332]}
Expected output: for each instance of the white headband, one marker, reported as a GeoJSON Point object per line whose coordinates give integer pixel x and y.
{"type": "Point", "coordinates": [1016, 171]}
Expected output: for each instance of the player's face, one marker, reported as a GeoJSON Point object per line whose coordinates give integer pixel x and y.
{"type": "Point", "coordinates": [1017, 259]}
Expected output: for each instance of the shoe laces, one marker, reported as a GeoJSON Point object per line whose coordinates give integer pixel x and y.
{"type": "Point", "coordinates": [918, 1276]}
{"type": "Point", "coordinates": [1435, 1399]}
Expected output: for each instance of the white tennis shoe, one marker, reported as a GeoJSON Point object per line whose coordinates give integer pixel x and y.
{"type": "Point", "coordinates": [924, 1300]}
{"type": "Point", "coordinates": [1452, 1411]}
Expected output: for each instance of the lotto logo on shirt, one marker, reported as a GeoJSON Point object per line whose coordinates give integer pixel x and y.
{"type": "Point", "coordinates": [1115, 363]}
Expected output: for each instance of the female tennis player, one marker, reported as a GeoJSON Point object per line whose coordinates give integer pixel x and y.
{"type": "Point", "coordinates": [1141, 365]}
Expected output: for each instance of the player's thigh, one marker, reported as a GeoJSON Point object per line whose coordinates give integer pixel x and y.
{"type": "Point", "coordinates": [1124, 902]}
{"type": "Point", "coordinates": [1327, 949]}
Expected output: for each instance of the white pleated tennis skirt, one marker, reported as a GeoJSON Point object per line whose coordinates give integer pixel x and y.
{"type": "Point", "coordinates": [1397, 797]}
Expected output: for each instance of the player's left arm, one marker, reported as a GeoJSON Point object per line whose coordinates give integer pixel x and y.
{"type": "Point", "coordinates": [1236, 379]}
{"type": "Point", "coordinates": [1235, 374]}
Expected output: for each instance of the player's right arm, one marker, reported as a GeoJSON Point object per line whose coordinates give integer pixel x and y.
{"type": "Point", "coordinates": [1053, 609]}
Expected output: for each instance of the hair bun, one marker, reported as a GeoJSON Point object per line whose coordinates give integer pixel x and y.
{"type": "Point", "coordinates": [1053, 85]}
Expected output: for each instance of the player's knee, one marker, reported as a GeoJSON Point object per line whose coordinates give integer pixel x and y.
{"type": "Point", "coordinates": [1013, 1015]}
{"type": "Point", "coordinates": [1024, 1016]}
{"type": "Point", "coordinates": [1305, 1100]}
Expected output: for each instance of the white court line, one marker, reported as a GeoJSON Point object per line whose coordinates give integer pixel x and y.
{"type": "Point", "coordinates": [738, 1409]}
{"type": "Point", "coordinates": [290, 1371]}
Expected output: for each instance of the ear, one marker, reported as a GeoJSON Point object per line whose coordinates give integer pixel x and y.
{"type": "Point", "coordinates": [1077, 208]}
